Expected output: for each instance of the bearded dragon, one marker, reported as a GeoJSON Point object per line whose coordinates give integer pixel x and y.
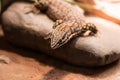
{"type": "Point", "coordinates": [70, 22]}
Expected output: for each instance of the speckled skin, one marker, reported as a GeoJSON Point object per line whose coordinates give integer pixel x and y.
{"type": "Point", "coordinates": [73, 23]}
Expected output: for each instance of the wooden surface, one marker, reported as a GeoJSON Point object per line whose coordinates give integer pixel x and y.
{"type": "Point", "coordinates": [31, 65]}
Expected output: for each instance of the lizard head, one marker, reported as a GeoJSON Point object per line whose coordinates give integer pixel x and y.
{"type": "Point", "coordinates": [60, 35]}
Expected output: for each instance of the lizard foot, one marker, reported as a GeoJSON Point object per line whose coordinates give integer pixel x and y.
{"type": "Point", "coordinates": [89, 29]}
{"type": "Point", "coordinates": [41, 4]}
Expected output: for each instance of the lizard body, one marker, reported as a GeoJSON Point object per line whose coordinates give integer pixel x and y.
{"type": "Point", "coordinates": [70, 21]}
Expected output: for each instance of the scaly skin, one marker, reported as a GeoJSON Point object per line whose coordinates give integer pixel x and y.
{"type": "Point", "coordinates": [70, 21]}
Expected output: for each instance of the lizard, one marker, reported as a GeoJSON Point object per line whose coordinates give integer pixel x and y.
{"type": "Point", "coordinates": [70, 22]}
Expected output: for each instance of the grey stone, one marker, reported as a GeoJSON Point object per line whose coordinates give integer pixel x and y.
{"type": "Point", "coordinates": [28, 30]}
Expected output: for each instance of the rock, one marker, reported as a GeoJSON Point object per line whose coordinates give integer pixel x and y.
{"type": "Point", "coordinates": [28, 30]}
{"type": "Point", "coordinates": [4, 59]}
{"type": "Point", "coordinates": [31, 65]}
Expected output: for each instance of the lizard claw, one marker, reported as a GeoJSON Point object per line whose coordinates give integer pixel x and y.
{"type": "Point", "coordinates": [47, 36]}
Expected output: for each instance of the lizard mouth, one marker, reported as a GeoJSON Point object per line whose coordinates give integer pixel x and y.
{"type": "Point", "coordinates": [54, 46]}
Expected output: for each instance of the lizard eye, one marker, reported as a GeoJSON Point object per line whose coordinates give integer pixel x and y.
{"type": "Point", "coordinates": [58, 22]}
